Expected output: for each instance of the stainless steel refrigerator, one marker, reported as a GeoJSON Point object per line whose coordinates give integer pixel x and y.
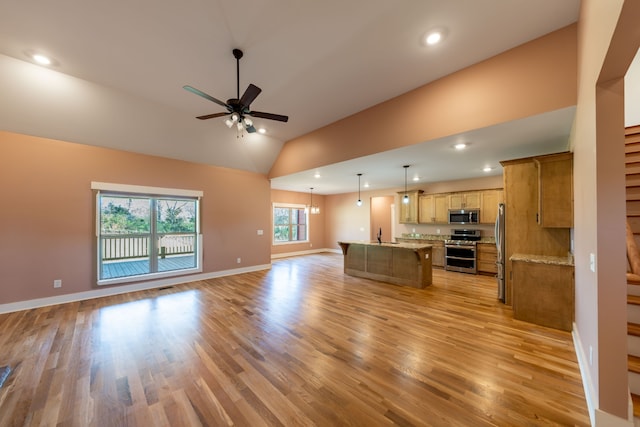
{"type": "Point", "coordinates": [500, 263]}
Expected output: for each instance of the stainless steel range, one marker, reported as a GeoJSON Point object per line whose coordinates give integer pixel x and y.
{"type": "Point", "coordinates": [460, 251]}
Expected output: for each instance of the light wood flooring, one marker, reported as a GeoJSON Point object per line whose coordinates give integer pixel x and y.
{"type": "Point", "coordinates": [298, 345]}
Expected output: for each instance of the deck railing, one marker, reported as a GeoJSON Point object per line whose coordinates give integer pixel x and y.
{"type": "Point", "coordinates": [118, 247]}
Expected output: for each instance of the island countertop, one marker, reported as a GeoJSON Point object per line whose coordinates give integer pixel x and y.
{"type": "Point", "coordinates": [404, 245]}
{"type": "Point", "coordinates": [407, 264]}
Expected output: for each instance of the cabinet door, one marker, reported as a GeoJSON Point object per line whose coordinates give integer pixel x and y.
{"type": "Point", "coordinates": [456, 201]}
{"type": "Point", "coordinates": [487, 257]}
{"type": "Point", "coordinates": [409, 211]}
{"type": "Point", "coordinates": [555, 190]}
{"type": "Point", "coordinates": [441, 208]}
{"type": "Point", "coordinates": [489, 205]}
{"type": "Point", "coordinates": [437, 254]}
{"type": "Point", "coordinates": [469, 200]}
{"type": "Point", "coordinates": [543, 294]}
{"type": "Point", "coordinates": [426, 209]}
{"type": "Point", "coordinates": [472, 200]}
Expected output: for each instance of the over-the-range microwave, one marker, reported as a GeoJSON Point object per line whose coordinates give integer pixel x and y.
{"type": "Point", "coordinates": [464, 216]}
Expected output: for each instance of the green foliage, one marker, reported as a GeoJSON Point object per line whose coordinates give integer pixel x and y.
{"type": "Point", "coordinates": [119, 217]}
{"type": "Point", "coordinates": [176, 216]}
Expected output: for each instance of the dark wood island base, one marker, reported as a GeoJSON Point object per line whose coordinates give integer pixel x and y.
{"type": "Point", "coordinates": [406, 264]}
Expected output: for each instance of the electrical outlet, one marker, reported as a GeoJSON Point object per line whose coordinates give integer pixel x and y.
{"type": "Point", "coordinates": [239, 260]}
{"type": "Point", "coordinates": [260, 232]}
{"type": "Point", "coordinates": [57, 283]}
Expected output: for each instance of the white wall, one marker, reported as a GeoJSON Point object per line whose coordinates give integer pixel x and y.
{"type": "Point", "coordinates": [632, 93]}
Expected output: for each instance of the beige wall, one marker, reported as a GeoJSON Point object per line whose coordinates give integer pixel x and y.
{"type": "Point", "coordinates": [530, 79]}
{"type": "Point", "coordinates": [607, 42]}
{"type": "Point", "coordinates": [47, 211]}
{"type": "Point", "coordinates": [316, 222]}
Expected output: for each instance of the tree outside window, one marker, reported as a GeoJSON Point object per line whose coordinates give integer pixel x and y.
{"type": "Point", "coordinates": [289, 224]}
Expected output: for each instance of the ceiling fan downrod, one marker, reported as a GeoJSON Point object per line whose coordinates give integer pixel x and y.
{"type": "Point", "coordinates": [237, 53]}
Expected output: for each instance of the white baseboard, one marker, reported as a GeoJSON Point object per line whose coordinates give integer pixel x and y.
{"type": "Point", "coordinates": [598, 417]}
{"type": "Point", "coordinates": [309, 252]}
{"type": "Point", "coordinates": [105, 291]}
{"type": "Point", "coordinates": [587, 382]}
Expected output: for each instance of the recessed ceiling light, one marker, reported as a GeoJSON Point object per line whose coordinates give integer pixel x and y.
{"type": "Point", "coordinates": [433, 38]}
{"type": "Point", "coordinates": [487, 169]}
{"type": "Point", "coordinates": [460, 146]}
{"type": "Point", "coordinates": [416, 178]}
{"type": "Point", "coordinates": [262, 130]}
{"type": "Point", "coordinates": [317, 175]}
{"type": "Point", "coordinates": [41, 59]}
{"type": "Point", "coordinates": [366, 185]}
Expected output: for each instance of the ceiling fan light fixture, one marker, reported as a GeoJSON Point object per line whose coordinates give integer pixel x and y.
{"type": "Point", "coordinates": [238, 107]}
{"type": "Point", "coordinates": [359, 202]}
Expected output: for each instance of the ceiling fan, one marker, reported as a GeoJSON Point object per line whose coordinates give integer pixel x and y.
{"type": "Point", "coordinates": [238, 108]}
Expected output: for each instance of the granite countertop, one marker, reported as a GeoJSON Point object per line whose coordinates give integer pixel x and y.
{"type": "Point", "coordinates": [543, 259]}
{"type": "Point", "coordinates": [406, 236]}
{"type": "Point", "coordinates": [418, 236]}
{"type": "Point", "coordinates": [412, 246]}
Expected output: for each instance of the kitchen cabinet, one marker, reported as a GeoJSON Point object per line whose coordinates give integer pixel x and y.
{"type": "Point", "coordinates": [523, 234]}
{"type": "Point", "coordinates": [437, 250]}
{"type": "Point", "coordinates": [433, 209]}
{"type": "Point", "coordinates": [468, 200]}
{"type": "Point", "coordinates": [543, 291]}
{"type": "Point", "coordinates": [408, 212]}
{"type": "Point", "coordinates": [489, 205]}
{"type": "Point", "coordinates": [437, 253]}
{"type": "Point", "coordinates": [487, 257]}
{"type": "Point", "coordinates": [555, 190]}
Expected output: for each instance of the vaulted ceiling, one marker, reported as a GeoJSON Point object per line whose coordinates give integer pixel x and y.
{"type": "Point", "coordinates": [119, 67]}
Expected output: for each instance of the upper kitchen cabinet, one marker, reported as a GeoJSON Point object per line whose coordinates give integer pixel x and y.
{"type": "Point", "coordinates": [470, 200]}
{"type": "Point", "coordinates": [433, 209]}
{"type": "Point", "coordinates": [489, 205]}
{"type": "Point", "coordinates": [555, 190]}
{"type": "Point", "coordinates": [409, 211]}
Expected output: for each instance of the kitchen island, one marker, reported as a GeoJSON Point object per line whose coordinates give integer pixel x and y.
{"type": "Point", "coordinates": [407, 264]}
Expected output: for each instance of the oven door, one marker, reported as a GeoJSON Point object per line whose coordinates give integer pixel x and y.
{"type": "Point", "coordinates": [461, 258]}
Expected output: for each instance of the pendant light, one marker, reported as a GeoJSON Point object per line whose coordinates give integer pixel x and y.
{"type": "Point", "coordinates": [312, 208]}
{"type": "Point", "coordinates": [359, 202]}
{"type": "Point", "coordinates": [405, 199]}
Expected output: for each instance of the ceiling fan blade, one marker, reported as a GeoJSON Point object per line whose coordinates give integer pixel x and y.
{"type": "Point", "coordinates": [269, 116]}
{"type": "Point", "coordinates": [211, 116]}
{"type": "Point", "coordinates": [251, 129]}
{"type": "Point", "coordinates": [249, 95]}
{"type": "Point", "coordinates": [205, 96]}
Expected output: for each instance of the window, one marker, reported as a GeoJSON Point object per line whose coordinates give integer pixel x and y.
{"type": "Point", "coordinates": [289, 224]}
{"type": "Point", "coordinates": [146, 235]}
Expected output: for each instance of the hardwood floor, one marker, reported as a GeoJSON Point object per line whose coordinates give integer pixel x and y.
{"type": "Point", "coordinates": [298, 345]}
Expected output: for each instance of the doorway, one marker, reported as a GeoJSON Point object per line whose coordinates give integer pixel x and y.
{"type": "Point", "coordinates": [382, 217]}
